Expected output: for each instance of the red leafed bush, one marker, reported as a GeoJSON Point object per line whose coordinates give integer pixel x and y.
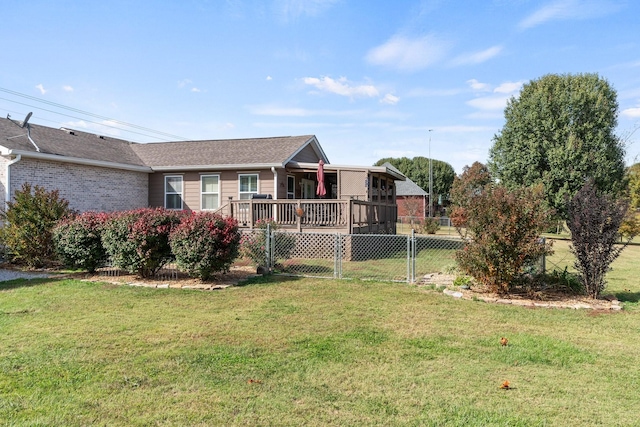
{"type": "Point", "coordinates": [503, 228]}
{"type": "Point", "coordinates": [205, 243]}
{"type": "Point", "coordinates": [138, 240]}
{"type": "Point", "coordinates": [594, 221]}
{"type": "Point", "coordinates": [78, 240]}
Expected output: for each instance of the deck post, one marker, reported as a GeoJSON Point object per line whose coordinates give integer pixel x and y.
{"type": "Point", "coordinates": [299, 217]}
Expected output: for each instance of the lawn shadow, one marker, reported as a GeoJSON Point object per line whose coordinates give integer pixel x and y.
{"type": "Point", "coordinates": [267, 279]}
{"type": "Point", "coordinates": [8, 285]}
{"type": "Point", "coordinates": [628, 296]}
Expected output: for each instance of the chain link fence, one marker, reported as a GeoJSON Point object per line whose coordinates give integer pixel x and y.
{"type": "Point", "coordinates": [359, 256]}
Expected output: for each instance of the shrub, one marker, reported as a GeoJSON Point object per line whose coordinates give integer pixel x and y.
{"type": "Point", "coordinates": [28, 224]}
{"type": "Point", "coordinates": [594, 221]}
{"type": "Point", "coordinates": [428, 226]}
{"type": "Point", "coordinates": [205, 243]}
{"type": "Point", "coordinates": [78, 240]}
{"type": "Point", "coordinates": [504, 228]}
{"type": "Point", "coordinates": [138, 240]}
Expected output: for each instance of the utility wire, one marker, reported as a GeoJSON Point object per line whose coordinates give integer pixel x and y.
{"type": "Point", "coordinates": [89, 121]}
{"type": "Point", "coordinates": [87, 113]}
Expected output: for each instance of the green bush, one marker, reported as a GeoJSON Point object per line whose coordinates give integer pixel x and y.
{"type": "Point", "coordinates": [428, 226]}
{"type": "Point", "coordinates": [138, 240]}
{"type": "Point", "coordinates": [205, 243]}
{"type": "Point", "coordinates": [28, 225]}
{"type": "Point", "coordinates": [78, 240]}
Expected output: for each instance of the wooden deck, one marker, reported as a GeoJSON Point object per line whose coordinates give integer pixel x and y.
{"type": "Point", "coordinates": [314, 215]}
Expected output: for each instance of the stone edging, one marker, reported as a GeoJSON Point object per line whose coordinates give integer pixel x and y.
{"type": "Point", "coordinates": [613, 304]}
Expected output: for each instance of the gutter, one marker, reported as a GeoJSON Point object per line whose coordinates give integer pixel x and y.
{"type": "Point", "coordinates": [248, 166]}
{"type": "Point", "coordinates": [7, 193]}
{"type": "Point", "coordinates": [75, 160]}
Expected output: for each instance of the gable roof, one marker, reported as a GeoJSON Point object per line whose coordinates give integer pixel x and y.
{"type": "Point", "coordinates": [66, 145]}
{"type": "Point", "coordinates": [407, 187]}
{"type": "Point", "coordinates": [226, 153]}
{"type": "Point", "coordinates": [86, 148]}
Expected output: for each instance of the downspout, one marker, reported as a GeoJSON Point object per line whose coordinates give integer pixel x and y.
{"type": "Point", "coordinates": [29, 136]}
{"type": "Point", "coordinates": [275, 193]}
{"type": "Point", "coordinates": [7, 193]}
{"type": "Point", "coordinates": [275, 183]}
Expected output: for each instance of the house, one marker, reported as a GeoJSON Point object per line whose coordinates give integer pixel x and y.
{"type": "Point", "coordinates": [249, 179]}
{"type": "Point", "coordinates": [412, 200]}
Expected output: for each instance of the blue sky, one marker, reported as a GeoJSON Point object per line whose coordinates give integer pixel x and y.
{"type": "Point", "coordinates": [368, 78]}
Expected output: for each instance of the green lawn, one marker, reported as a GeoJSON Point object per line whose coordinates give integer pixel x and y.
{"type": "Point", "coordinates": [320, 352]}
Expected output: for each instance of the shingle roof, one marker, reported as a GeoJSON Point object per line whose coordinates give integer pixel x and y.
{"type": "Point", "coordinates": [80, 145]}
{"type": "Point", "coordinates": [407, 187]}
{"type": "Point", "coordinates": [263, 151]}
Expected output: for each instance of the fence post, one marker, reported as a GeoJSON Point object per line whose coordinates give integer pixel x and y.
{"type": "Point", "coordinates": [336, 255]}
{"type": "Point", "coordinates": [409, 238]}
{"type": "Point", "coordinates": [267, 246]}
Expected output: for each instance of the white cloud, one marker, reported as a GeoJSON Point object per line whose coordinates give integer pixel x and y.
{"type": "Point", "coordinates": [476, 85]}
{"type": "Point", "coordinates": [195, 89]}
{"type": "Point", "coordinates": [508, 87]}
{"type": "Point", "coordinates": [67, 88]}
{"type": "Point", "coordinates": [489, 103]}
{"type": "Point", "coordinates": [408, 54]}
{"type": "Point", "coordinates": [269, 78]}
{"type": "Point", "coordinates": [341, 87]}
{"type": "Point", "coordinates": [631, 112]}
{"type": "Point", "coordinates": [183, 83]}
{"type": "Point", "coordinates": [41, 89]}
{"type": "Point", "coordinates": [562, 10]}
{"type": "Point", "coordinates": [390, 99]}
{"type": "Point", "coordinates": [476, 57]}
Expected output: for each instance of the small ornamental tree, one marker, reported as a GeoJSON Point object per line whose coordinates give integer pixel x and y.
{"type": "Point", "coordinates": [78, 240]}
{"type": "Point", "coordinates": [205, 243]}
{"type": "Point", "coordinates": [504, 228]}
{"type": "Point", "coordinates": [594, 221]}
{"type": "Point", "coordinates": [138, 240]}
{"type": "Point", "coordinates": [28, 224]}
{"type": "Point", "coordinates": [471, 183]}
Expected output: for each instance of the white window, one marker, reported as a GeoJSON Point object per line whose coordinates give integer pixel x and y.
{"type": "Point", "coordinates": [173, 192]}
{"type": "Point", "coordinates": [248, 185]}
{"type": "Point", "coordinates": [291, 187]}
{"type": "Point", "coordinates": [209, 192]}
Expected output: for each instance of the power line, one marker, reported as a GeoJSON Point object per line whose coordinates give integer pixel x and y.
{"type": "Point", "coordinates": [88, 121]}
{"type": "Point", "coordinates": [87, 113]}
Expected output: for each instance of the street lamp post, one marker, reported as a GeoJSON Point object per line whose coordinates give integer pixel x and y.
{"type": "Point", "coordinates": [430, 179]}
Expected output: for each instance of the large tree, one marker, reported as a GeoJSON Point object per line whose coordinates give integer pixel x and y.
{"type": "Point", "coordinates": [417, 170]}
{"type": "Point", "coordinates": [559, 132]}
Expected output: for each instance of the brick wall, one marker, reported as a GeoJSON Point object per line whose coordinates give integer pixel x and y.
{"type": "Point", "coordinates": [87, 188]}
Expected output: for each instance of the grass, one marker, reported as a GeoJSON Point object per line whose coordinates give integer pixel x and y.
{"type": "Point", "coordinates": [306, 352]}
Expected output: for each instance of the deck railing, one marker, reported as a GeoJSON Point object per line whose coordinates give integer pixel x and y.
{"type": "Point", "coordinates": [349, 216]}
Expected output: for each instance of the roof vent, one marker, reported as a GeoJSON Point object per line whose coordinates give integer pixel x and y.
{"type": "Point", "coordinates": [100, 136]}
{"type": "Point", "coordinates": [69, 131]}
